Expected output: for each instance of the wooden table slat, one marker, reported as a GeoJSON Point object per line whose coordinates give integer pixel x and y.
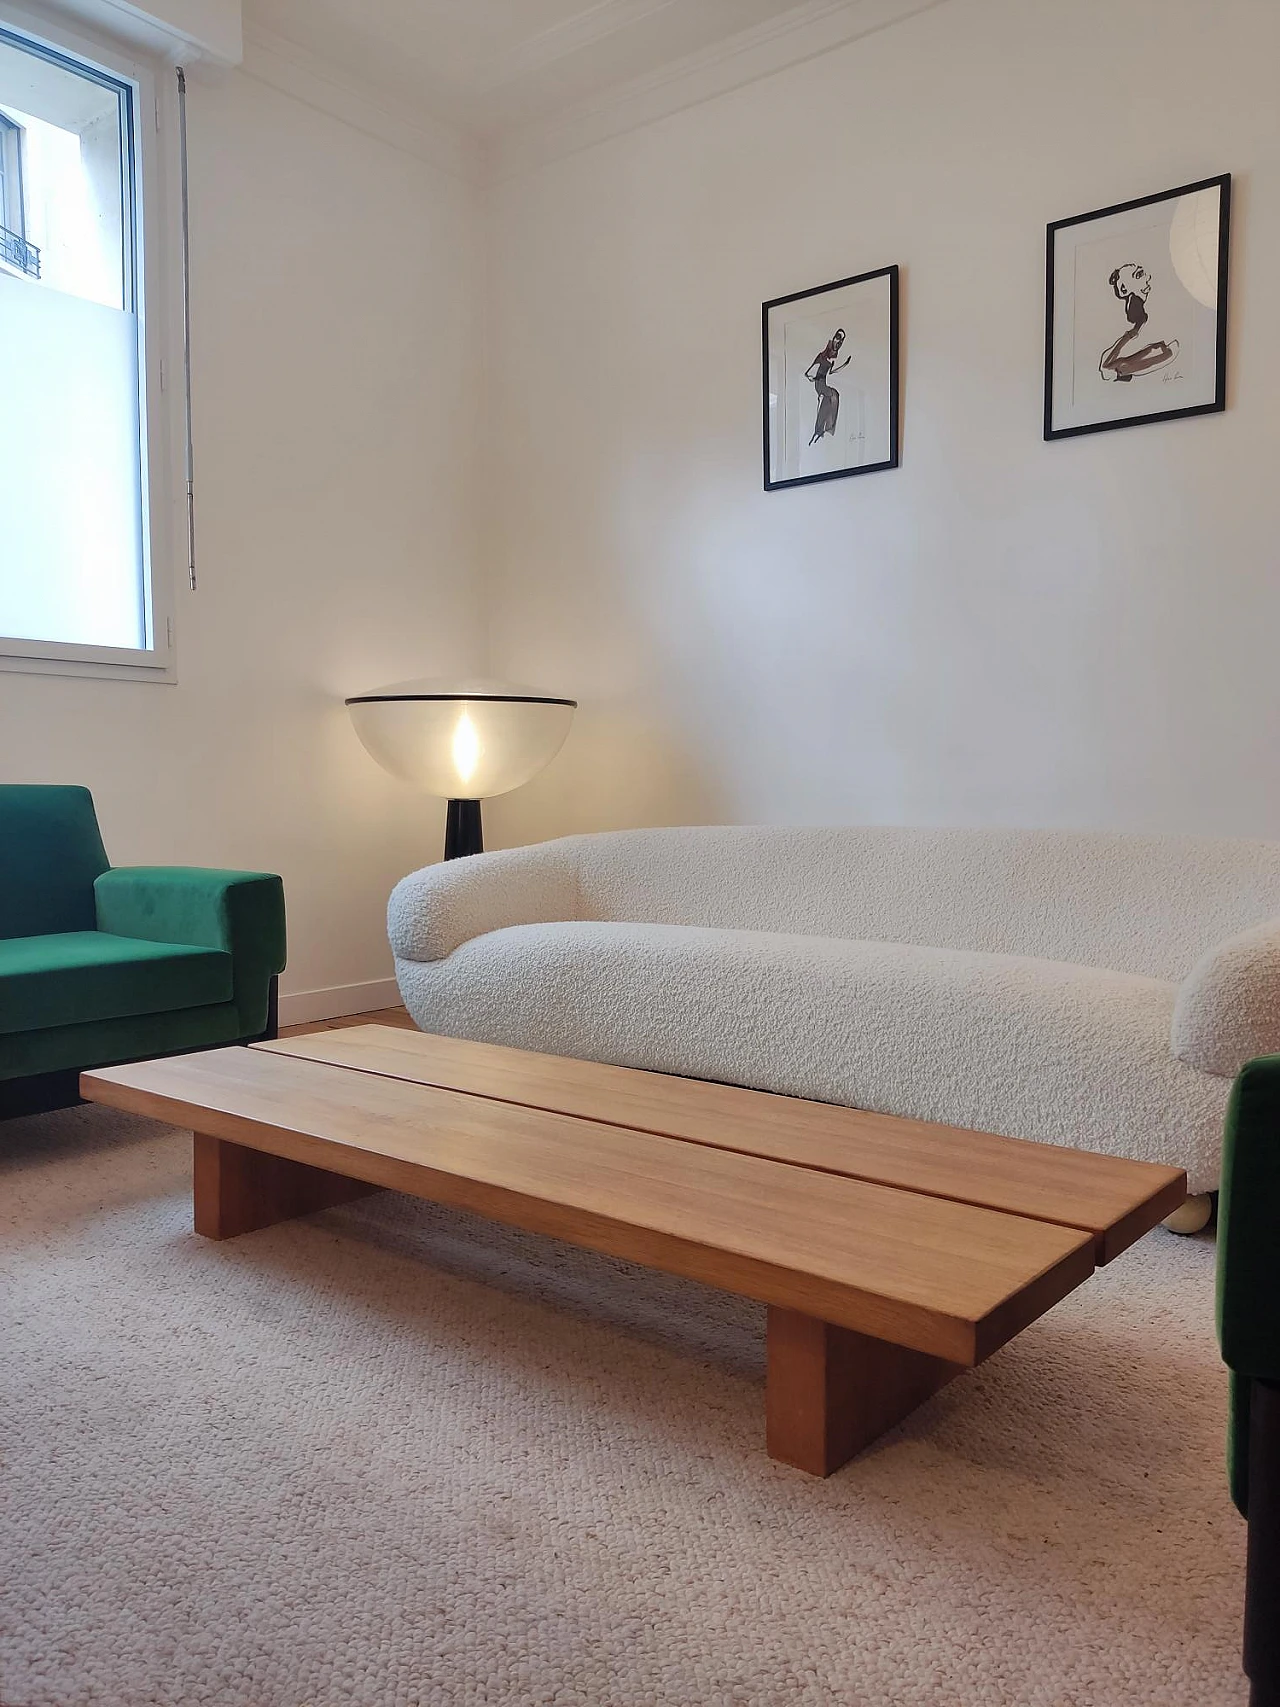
{"type": "Point", "coordinates": [1114, 1199]}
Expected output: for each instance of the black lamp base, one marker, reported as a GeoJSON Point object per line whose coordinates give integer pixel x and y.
{"type": "Point", "coordinates": [462, 830]}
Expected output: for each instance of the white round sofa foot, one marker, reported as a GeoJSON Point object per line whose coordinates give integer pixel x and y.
{"type": "Point", "coordinates": [1191, 1216]}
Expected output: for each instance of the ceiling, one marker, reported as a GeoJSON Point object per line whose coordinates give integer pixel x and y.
{"type": "Point", "coordinates": [494, 65]}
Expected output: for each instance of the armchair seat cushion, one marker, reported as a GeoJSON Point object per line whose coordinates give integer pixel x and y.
{"type": "Point", "coordinates": [78, 976]}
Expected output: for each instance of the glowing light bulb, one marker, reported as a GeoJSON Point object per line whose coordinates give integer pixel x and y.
{"type": "Point", "coordinates": [466, 749]}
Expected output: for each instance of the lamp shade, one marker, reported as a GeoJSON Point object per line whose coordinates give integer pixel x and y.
{"type": "Point", "coordinates": [464, 740]}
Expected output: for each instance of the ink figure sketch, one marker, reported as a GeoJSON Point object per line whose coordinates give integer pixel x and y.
{"type": "Point", "coordinates": [818, 373]}
{"type": "Point", "coordinates": [830, 380]}
{"type": "Point", "coordinates": [1132, 284]}
{"type": "Point", "coordinates": [1135, 311]}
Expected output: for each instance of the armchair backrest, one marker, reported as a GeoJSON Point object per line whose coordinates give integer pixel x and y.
{"type": "Point", "coordinates": [50, 853]}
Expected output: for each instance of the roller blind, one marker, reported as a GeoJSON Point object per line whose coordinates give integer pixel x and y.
{"type": "Point", "coordinates": [73, 547]}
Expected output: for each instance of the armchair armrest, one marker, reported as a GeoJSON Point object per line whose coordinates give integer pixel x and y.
{"type": "Point", "coordinates": [241, 912]}
{"type": "Point", "coordinates": [1228, 1009]}
{"type": "Point", "coordinates": [1248, 1210]}
{"type": "Point", "coordinates": [1248, 1257]}
{"type": "Point", "coordinates": [434, 911]}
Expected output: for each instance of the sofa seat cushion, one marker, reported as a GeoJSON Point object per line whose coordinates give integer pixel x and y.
{"type": "Point", "coordinates": [1037, 1049]}
{"type": "Point", "coordinates": [78, 976]}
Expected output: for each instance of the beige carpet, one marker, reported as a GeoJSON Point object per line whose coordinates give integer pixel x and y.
{"type": "Point", "coordinates": [393, 1456]}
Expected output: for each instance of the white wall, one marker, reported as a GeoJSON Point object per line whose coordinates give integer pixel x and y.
{"type": "Point", "coordinates": [334, 380]}
{"type": "Point", "coordinates": [1003, 631]}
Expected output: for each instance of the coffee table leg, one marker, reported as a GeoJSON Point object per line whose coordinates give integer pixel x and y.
{"type": "Point", "coordinates": [830, 1391]}
{"type": "Point", "coordinates": [237, 1190]}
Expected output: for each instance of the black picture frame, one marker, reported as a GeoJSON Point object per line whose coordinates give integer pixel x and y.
{"type": "Point", "coordinates": [1143, 417]}
{"type": "Point", "coordinates": [892, 274]}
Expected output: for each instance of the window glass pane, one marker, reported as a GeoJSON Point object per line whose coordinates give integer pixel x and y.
{"type": "Point", "coordinates": [72, 545]}
{"type": "Point", "coordinates": [69, 470]}
{"type": "Point", "coordinates": [12, 216]}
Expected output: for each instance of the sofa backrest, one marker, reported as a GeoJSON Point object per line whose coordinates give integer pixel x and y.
{"type": "Point", "coordinates": [50, 854]}
{"type": "Point", "coordinates": [1143, 904]}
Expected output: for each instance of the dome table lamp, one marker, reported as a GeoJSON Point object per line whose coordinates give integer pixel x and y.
{"type": "Point", "coordinates": [464, 740]}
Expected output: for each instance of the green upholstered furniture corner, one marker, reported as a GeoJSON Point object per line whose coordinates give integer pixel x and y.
{"type": "Point", "coordinates": [101, 964]}
{"type": "Point", "coordinates": [1249, 1334]}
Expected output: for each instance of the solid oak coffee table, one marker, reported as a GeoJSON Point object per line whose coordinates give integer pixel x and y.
{"type": "Point", "coordinates": [892, 1254]}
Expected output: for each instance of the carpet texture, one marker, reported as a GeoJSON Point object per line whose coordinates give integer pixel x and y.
{"type": "Point", "coordinates": [394, 1456]}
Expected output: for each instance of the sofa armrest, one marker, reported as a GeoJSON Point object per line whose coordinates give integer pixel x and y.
{"type": "Point", "coordinates": [1228, 1008]}
{"type": "Point", "coordinates": [241, 912]}
{"type": "Point", "coordinates": [437, 909]}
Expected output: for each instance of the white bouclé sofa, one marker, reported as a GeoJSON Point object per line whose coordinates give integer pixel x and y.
{"type": "Point", "coordinates": [1085, 989]}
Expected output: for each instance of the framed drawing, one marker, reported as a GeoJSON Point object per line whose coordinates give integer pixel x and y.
{"type": "Point", "coordinates": [831, 380]}
{"type": "Point", "coordinates": [1136, 317]}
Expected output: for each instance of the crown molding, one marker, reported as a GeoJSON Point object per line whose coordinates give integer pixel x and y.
{"type": "Point", "coordinates": [413, 129]}
{"type": "Point", "coordinates": [189, 32]}
{"type": "Point", "coordinates": [805, 32]}
{"type": "Point", "coordinates": [593, 24]}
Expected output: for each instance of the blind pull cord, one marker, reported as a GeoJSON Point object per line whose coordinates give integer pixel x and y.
{"type": "Point", "coordinates": [186, 326]}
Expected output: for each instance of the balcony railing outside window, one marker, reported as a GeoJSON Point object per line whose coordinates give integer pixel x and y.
{"type": "Point", "coordinates": [17, 252]}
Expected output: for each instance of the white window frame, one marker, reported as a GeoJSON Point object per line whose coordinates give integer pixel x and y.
{"type": "Point", "coordinates": [157, 228]}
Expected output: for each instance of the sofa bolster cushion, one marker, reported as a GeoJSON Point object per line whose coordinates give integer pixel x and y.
{"type": "Point", "coordinates": [1038, 1049]}
{"type": "Point", "coordinates": [437, 909]}
{"type": "Point", "coordinates": [1228, 1008]}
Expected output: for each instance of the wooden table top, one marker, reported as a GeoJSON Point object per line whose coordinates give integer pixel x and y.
{"type": "Point", "coordinates": [858, 1219]}
{"type": "Point", "coordinates": [1114, 1199]}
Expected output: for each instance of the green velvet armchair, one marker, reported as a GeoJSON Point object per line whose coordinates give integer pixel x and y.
{"type": "Point", "coordinates": [101, 965]}
{"type": "Point", "coordinates": [1249, 1334]}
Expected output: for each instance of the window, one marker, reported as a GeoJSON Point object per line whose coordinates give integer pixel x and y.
{"type": "Point", "coordinates": [76, 533]}
{"type": "Point", "coordinates": [15, 251]}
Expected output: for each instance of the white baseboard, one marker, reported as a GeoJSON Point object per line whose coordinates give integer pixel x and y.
{"type": "Point", "coordinates": [303, 1006]}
